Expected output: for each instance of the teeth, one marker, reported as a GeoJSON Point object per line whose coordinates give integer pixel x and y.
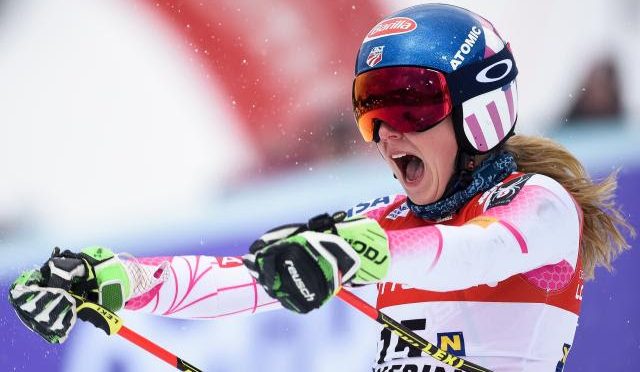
{"type": "Point", "coordinates": [398, 156]}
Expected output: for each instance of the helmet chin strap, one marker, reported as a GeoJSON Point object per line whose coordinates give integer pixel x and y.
{"type": "Point", "coordinates": [462, 175]}
{"type": "Point", "coordinates": [467, 160]}
{"type": "Point", "coordinates": [375, 134]}
{"type": "Point", "coordinates": [377, 123]}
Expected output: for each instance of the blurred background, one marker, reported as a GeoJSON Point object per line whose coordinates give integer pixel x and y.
{"type": "Point", "coordinates": [190, 127]}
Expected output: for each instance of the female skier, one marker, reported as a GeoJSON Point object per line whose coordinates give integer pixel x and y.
{"type": "Point", "coordinates": [485, 255]}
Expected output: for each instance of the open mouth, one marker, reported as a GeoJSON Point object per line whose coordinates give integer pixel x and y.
{"type": "Point", "coordinates": [411, 166]}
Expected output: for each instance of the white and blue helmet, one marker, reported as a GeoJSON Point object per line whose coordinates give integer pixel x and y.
{"type": "Point", "coordinates": [477, 63]}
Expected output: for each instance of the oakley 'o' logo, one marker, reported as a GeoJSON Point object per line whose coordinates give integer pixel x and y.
{"type": "Point", "coordinates": [482, 75]}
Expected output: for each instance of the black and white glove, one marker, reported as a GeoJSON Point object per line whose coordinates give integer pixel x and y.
{"type": "Point", "coordinates": [49, 312]}
{"type": "Point", "coordinates": [304, 265]}
{"type": "Point", "coordinates": [43, 298]}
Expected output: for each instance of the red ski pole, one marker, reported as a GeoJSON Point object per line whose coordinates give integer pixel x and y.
{"type": "Point", "coordinates": [112, 324]}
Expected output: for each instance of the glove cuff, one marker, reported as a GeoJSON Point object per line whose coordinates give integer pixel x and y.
{"type": "Point", "coordinates": [112, 278]}
{"type": "Point", "coordinates": [370, 242]}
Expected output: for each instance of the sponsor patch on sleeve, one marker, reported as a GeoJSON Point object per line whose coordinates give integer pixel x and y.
{"type": "Point", "coordinates": [365, 207]}
{"type": "Point", "coordinates": [229, 262]}
{"type": "Point", "coordinates": [503, 194]}
{"type": "Point", "coordinates": [401, 211]}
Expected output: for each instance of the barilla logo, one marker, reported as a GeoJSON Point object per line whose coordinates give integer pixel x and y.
{"type": "Point", "coordinates": [391, 26]}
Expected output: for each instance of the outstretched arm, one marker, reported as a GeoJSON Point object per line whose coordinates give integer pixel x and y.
{"type": "Point", "coordinates": [195, 287]}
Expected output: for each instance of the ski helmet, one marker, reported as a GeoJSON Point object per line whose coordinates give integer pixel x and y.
{"type": "Point", "coordinates": [424, 63]}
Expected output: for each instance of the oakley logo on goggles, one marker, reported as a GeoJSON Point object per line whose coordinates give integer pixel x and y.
{"type": "Point", "coordinates": [414, 99]}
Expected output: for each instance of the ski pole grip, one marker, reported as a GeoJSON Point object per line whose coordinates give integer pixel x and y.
{"type": "Point", "coordinates": [111, 324]}
{"type": "Point", "coordinates": [97, 315]}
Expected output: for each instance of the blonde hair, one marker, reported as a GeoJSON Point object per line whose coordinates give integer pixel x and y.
{"type": "Point", "coordinates": [602, 238]}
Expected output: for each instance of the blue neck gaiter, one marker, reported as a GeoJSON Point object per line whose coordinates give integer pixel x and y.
{"type": "Point", "coordinates": [491, 171]}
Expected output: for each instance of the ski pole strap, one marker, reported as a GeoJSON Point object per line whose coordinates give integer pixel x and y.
{"type": "Point", "coordinates": [409, 336]}
{"type": "Point", "coordinates": [112, 324]}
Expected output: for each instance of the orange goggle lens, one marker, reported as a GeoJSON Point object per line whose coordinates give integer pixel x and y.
{"type": "Point", "coordinates": [408, 99]}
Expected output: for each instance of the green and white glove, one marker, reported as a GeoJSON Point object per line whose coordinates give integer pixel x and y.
{"type": "Point", "coordinates": [303, 266]}
{"type": "Point", "coordinates": [42, 298]}
{"type": "Point", "coordinates": [368, 239]}
{"type": "Point", "coordinates": [49, 312]}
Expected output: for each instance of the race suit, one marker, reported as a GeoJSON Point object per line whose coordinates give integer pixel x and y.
{"type": "Point", "coordinates": [498, 283]}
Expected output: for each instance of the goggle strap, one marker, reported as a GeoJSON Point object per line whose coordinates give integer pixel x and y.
{"type": "Point", "coordinates": [479, 77]}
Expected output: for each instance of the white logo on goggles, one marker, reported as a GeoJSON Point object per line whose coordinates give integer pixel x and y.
{"type": "Point", "coordinates": [482, 75]}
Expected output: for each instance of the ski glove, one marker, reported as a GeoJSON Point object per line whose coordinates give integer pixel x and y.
{"type": "Point", "coordinates": [42, 298]}
{"type": "Point", "coordinates": [304, 265]}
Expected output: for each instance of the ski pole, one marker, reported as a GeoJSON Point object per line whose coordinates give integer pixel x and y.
{"type": "Point", "coordinates": [111, 324]}
{"type": "Point", "coordinates": [409, 336]}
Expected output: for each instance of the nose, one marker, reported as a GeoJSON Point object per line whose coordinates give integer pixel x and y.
{"type": "Point", "coordinates": [386, 132]}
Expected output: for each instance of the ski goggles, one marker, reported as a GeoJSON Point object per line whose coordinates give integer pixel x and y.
{"type": "Point", "coordinates": [414, 99]}
{"type": "Point", "coordinates": [408, 99]}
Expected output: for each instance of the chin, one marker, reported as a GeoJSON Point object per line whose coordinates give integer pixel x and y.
{"type": "Point", "coordinates": [419, 199]}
